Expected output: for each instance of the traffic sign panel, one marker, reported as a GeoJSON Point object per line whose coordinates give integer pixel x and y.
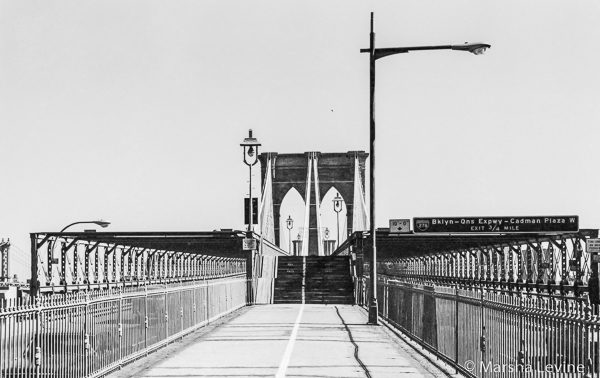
{"type": "Point", "coordinates": [399, 226]}
{"type": "Point", "coordinates": [249, 244]}
{"type": "Point", "coordinates": [592, 245]}
{"type": "Point", "coordinates": [498, 224]}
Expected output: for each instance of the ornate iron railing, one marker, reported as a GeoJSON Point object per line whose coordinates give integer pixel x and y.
{"type": "Point", "coordinates": [64, 262]}
{"type": "Point", "coordinates": [554, 265]}
{"type": "Point", "coordinates": [486, 333]}
{"type": "Point", "coordinates": [88, 334]}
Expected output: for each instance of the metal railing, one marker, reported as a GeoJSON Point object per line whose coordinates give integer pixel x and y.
{"type": "Point", "coordinates": [88, 334]}
{"type": "Point", "coordinates": [64, 262]}
{"type": "Point", "coordinates": [493, 334]}
{"type": "Point", "coordinates": [556, 264]}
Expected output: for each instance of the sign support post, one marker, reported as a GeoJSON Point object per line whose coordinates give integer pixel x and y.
{"type": "Point", "coordinates": [593, 248]}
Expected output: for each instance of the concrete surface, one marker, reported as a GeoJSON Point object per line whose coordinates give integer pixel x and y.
{"type": "Point", "coordinates": [320, 343]}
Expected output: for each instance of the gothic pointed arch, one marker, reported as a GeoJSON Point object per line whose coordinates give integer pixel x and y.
{"type": "Point", "coordinates": [292, 207]}
{"type": "Point", "coordinates": [332, 169]}
{"type": "Point", "coordinates": [335, 218]}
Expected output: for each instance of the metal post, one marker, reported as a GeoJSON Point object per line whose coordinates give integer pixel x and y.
{"type": "Point", "coordinates": [38, 332]}
{"type": "Point", "coordinates": [146, 320]}
{"type": "Point", "coordinates": [105, 268]}
{"type": "Point", "coordinates": [593, 282]}
{"type": "Point", "coordinates": [373, 304]}
{"type": "Point", "coordinates": [338, 230]}
{"type": "Point", "coordinates": [250, 278]}
{"type": "Point", "coordinates": [63, 265]}
{"type": "Point", "coordinates": [250, 205]}
{"type": "Point", "coordinates": [86, 328]}
{"type": "Point", "coordinates": [482, 338]}
{"type": "Point", "coordinates": [75, 277]}
{"type": "Point", "coordinates": [114, 262]}
{"type": "Point", "coordinates": [456, 335]}
{"type": "Point", "coordinates": [33, 282]}
{"type": "Point", "coordinates": [97, 264]}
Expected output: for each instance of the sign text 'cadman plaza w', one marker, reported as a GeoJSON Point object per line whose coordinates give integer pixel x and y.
{"type": "Point", "coordinates": [497, 224]}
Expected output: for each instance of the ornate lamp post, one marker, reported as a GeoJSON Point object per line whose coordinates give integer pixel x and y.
{"type": "Point", "coordinates": [374, 54]}
{"type": "Point", "coordinates": [250, 145]}
{"type": "Point", "coordinates": [290, 224]}
{"type": "Point", "coordinates": [337, 207]}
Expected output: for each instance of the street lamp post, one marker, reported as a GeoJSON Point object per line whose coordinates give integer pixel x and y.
{"type": "Point", "coordinates": [290, 224]}
{"type": "Point", "coordinates": [250, 145]}
{"type": "Point", "coordinates": [337, 207]}
{"type": "Point", "coordinates": [374, 54]}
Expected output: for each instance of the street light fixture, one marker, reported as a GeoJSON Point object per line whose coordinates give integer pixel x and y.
{"type": "Point", "coordinates": [250, 145]}
{"type": "Point", "coordinates": [337, 207]}
{"type": "Point", "coordinates": [290, 224]}
{"type": "Point", "coordinates": [374, 54]}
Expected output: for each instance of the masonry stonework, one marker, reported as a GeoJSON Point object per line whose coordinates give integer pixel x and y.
{"type": "Point", "coordinates": [290, 171]}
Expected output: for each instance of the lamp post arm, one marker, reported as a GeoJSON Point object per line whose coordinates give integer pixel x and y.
{"type": "Point", "coordinates": [73, 224]}
{"type": "Point", "coordinates": [100, 223]}
{"type": "Point", "coordinates": [382, 52]}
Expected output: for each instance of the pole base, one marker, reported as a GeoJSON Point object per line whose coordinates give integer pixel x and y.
{"type": "Point", "coordinates": [373, 319]}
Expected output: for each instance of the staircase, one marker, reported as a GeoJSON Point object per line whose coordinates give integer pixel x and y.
{"type": "Point", "coordinates": [288, 284]}
{"type": "Point", "coordinates": [326, 280]}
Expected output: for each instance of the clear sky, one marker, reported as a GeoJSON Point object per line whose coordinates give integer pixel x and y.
{"type": "Point", "coordinates": [133, 111]}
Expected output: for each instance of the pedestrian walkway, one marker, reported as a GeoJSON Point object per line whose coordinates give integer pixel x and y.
{"type": "Point", "coordinates": [294, 340]}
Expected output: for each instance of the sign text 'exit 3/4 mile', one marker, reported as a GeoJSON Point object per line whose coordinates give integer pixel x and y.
{"type": "Point", "coordinates": [497, 224]}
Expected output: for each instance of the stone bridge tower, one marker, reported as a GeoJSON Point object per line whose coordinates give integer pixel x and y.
{"type": "Point", "coordinates": [334, 169]}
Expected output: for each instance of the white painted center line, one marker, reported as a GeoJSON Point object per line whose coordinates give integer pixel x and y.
{"type": "Point", "coordinates": [290, 346]}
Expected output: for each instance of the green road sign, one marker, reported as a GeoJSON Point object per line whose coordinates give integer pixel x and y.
{"type": "Point", "coordinates": [568, 223]}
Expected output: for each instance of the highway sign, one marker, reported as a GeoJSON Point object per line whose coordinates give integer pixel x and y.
{"type": "Point", "coordinates": [398, 226]}
{"type": "Point", "coordinates": [568, 223]}
{"type": "Point", "coordinates": [592, 246]}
